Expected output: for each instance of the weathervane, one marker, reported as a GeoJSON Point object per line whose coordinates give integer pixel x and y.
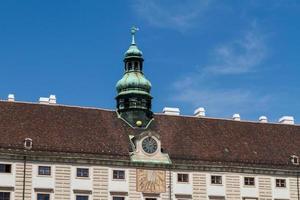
{"type": "Point", "coordinates": [133, 31]}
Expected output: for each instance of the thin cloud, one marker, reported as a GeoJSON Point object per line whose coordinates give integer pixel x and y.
{"type": "Point", "coordinates": [224, 102]}
{"type": "Point", "coordinates": [239, 56]}
{"type": "Point", "coordinates": [170, 14]}
{"type": "Point", "coordinates": [203, 87]}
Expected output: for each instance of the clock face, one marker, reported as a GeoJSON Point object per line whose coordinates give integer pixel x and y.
{"type": "Point", "coordinates": [149, 145]}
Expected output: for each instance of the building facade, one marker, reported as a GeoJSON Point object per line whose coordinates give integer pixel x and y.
{"type": "Point", "coordinates": [50, 151]}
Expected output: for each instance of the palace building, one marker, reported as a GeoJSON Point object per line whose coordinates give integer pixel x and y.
{"type": "Point", "coordinates": [50, 151]}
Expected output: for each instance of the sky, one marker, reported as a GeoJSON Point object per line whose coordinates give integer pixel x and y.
{"type": "Point", "coordinates": [226, 56]}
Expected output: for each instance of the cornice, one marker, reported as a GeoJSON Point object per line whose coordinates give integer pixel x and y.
{"type": "Point", "coordinates": [124, 161]}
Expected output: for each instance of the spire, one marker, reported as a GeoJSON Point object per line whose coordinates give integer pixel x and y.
{"type": "Point", "coordinates": [133, 50]}
{"type": "Point", "coordinates": [133, 31]}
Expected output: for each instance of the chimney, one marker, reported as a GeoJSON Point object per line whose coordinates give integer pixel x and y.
{"type": "Point", "coordinates": [171, 111]}
{"type": "Point", "coordinates": [199, 112]}
{"type": "Point", "coordinates": [263, 119]}
{"type": "Point", "coordinates": [11, 97]}
{"type": "Point", "coordinates": [236, 117]}
{"type": "Point", "coordinates": [52, 99]}
{"type": "Point", "coordinates": [44, 100]}
{"type": "Point", "coordinates": [286, 120]}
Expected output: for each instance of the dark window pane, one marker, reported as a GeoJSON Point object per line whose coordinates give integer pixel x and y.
{"type": "Point", "coordinates": [82, 172]}
{"type": "Point", "coordinates": [118, 198]}
{"type": "Point", "coordinates": [82, 197]}
{"type": "Point", "coordinates": [249, 181]}
{"type": "Point", "coordinates": [45, 170]}
{"type": "Point", "coordinates": [4, 196]}
{"type": "Point", "coordinates": [43, 196]}
{"type": "Point", "coordinates": [183, 178]}
{"type": "Point", "coordinates": [119, 174]}
{"type": "Point", "coordinates": [5, 168]}
{"type": "Point", "coordinates": [280, 183]}
{"type": "Point", "coordinates": [216, 179]}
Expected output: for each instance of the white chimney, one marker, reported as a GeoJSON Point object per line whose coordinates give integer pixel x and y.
{"type": "Point", "coordinates": [44, 100]}
{"type": "Point", "coordinates": [171, 111]}
{"type": "Point", "coordinates": [199, 112]}
{"type": "Point", "coordinates": [236, 117]}
{"type": "Point", "coordinates": [286, 120]}
{"type": "Point", "coordinates": [263, 119]}
{"type": "Point", "coordinates": [11, 97]}
{"type": "Point", "coordinates": [52, 99]}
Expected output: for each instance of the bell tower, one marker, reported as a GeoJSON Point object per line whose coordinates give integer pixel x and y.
{"type": "Point", "coordinates": [133, 90]}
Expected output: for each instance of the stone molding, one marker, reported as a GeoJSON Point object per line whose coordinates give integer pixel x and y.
{"type": "Point", "coordinates": [65, 158]}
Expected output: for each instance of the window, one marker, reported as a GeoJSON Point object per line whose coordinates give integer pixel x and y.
{"type": "Point", "coordinates": [280, 183]}
{"type": "Point", "coordinates": [43, 196]}
{"type": "Point", "coordinates": [216, 179]}
{"type": "Point", "coordinates": [4, 196]}
{"type": "Point", "coordinates": [119, 174]}
{"type": "Point", "coordinates": [130, 66]}
{"type": "Point", "coordinates": [45, 170]}
{"type": "Point", "coordinates": [82, 197]}
{"type": "Point", "coordinates": [151, 199]}
{"type": "Point", "coordinates": [183, 178]}
{"type": "Point", "coordinates": [118, 198]}
{"type": "Point", "coordinates": [82, 172]}
{"type": "Point", "coordinates": [249, 181]}
{"type": "Point", "coordinates": [28, 143]}
{"type": "Point", "coordinates": [136, 65]}
{"type": "Point", "coordinates": [5, 168]}
{"type": "Point", "coordinates": [295, 160]}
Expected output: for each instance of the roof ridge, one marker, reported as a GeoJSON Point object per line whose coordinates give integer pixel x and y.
{"type": "Point", "coordinates": [58, 105]}
{"type": "Point", "coordinates": [226, 119]}
{"type": "Point", "coordinates": [158, 114]}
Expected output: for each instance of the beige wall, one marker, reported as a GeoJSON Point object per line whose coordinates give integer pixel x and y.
{"type": "Point", "coordinates": [19, 167]}
{"type": "Point", "coordinates": [62, 182]}
{"type": "Point", "coordinates": [100, 178]}
{"type": "Point", "coordinates": [232, 186]}
{"type": "Point", "coordinates": [264, 188]}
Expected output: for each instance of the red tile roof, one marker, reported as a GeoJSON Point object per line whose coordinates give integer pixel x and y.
{"type": "Point", "coordinates": [57, 128]}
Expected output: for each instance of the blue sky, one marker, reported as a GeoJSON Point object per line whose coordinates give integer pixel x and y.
{"type": "Point", "coordinates": [227, 56]}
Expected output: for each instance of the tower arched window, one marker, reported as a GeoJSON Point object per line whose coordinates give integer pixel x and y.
{"type": "Point", "coordinates": [121, 104]}
{"type": "Point", "coordinates": [129, 66]}
{"type": "Point", "coordinates": [136, 65]}
{"type": "Point", "coordinates": [144, 103]}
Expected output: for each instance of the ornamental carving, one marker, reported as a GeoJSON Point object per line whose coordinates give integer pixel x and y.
{"type": "Point", "coordinates": [151, 181]}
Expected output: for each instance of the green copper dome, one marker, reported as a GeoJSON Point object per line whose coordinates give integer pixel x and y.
{"type": "Point", "coordinates": [133, 82]}
{"type": "Point", "coordinates": [133, 51]}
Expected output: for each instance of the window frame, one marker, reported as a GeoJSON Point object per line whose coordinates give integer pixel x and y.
{"type": "Point", "coordinates": [83, 168]}
{"type": "Point", "coordinates": [249, 177]}
{"type": "Point", "coordinates": [10, 168]}
{"type": "Point", "coordinates": [82, 195]}
{"type": "Point", "coordinates": [9, 194]}
{"type": "Point", "coordinates": [41, 193]}
{"type": "Point", "coordinates": [295, 160]}
{"type": "Point", "coordinates": [216, 183]}
{"type": "Point", "coordinates": [117, 196]}
{"type": "Point", "coordinates": [183, 178]}
{"type": "Point", "coordinates": [50, 170]}
{"type": "Point", "coordinates": [118, 178]}
{"type": "Point", "coordinates": [280, 185]}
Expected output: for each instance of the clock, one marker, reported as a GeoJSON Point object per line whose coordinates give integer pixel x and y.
{"type": "Point", "coordinates": [149, 145]}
